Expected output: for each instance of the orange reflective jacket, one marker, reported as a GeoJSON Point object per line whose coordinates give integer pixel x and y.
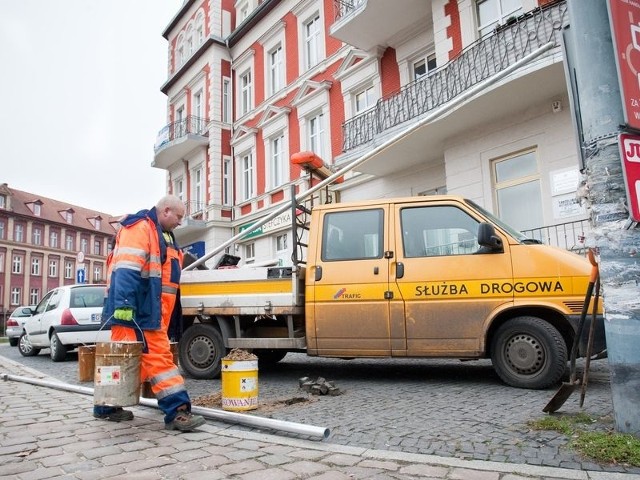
{"type": "Point", "coordinates": [143, 272]}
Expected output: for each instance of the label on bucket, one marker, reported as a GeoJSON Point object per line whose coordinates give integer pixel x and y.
{"type": "Point", "coordinates": [239, 403]}
{"type": "Point", "coordinates": [248, 384]}
{"type": "Point", "coordinates": [108, 375]}
{"type": "Point", "coordinates": [240, 365]}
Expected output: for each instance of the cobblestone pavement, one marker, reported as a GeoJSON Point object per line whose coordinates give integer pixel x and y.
{"type": "Point", "coordinates": [458, 411]}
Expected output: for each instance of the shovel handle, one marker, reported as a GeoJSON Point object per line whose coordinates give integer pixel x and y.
{"type": "Point", "coordinates": [583, 315]}
{"type": "Point", "coordinates": [594, 265]}
{"type": "Point", "coordinates": [587, 361]}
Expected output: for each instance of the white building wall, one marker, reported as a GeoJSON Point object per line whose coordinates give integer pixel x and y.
{"type": "Point", "coordinates": [443, 44]}
{"type": "Point", "coordinates": [468, 158]}
{"type": "Point", "coordinates": [215, 18]}
{"type": "Point", "coordinates": [215, 130]}
{"type": "Point", "coordinates": [467, 9]}
{"type": "Point", "coordinates": [409, 182]}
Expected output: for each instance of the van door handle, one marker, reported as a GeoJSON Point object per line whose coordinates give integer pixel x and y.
{"type": "Point", "coordinates": [318, 273]}
{"type": "Point", "coordinates": [399, 270]}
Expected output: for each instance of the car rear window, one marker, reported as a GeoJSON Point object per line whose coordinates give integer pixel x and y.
{"type": "Point", "coordinates": [87, 297]}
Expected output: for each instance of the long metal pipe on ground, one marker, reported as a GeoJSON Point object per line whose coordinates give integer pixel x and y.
{"type": "Point", "coordinates": [224, 416]}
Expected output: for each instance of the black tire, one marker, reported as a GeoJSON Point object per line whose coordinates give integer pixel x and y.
{"type": "Point", "coordinates": [25, 347]}
{"type": "Point", "coordinates": [528, 352]}
{"type": "Point", "coordinates": [56, 348]}
{"type": "Point", "coordinates": [13, 342]}
{"type": "Point", "coordinates": [267, 358]}
{"type": "Point", "coordinates": [201, 350]}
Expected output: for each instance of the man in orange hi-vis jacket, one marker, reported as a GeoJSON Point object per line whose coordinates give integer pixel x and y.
{"type": "Point", "coordinates": [143, 278]}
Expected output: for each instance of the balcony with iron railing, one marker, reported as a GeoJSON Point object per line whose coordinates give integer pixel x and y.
{"type": "Point", "coordinates": [342, 8]}
{"type": "Point", "coordinates": [479, 61]}
{"type": "Point", "coordinates": [569, 236]}
{"type": "Point", "coordinates": [367, 24]}
{"type": "Point", "coordinates": [179, 138]}
{"type": "Point", "coordinates": [194, 218]}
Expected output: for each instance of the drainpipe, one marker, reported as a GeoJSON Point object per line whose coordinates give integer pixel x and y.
{"type": "Point", "coordinates": [232, 97]}
{"type": "Point", "coordinates": [319, 433]}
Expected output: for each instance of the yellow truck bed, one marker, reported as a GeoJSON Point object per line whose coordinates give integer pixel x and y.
{"type": "Point", "coordinates": [242, 291]}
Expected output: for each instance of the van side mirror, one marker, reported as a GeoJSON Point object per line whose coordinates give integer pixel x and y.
{"type": "Point", "coordinates": [487, 237]}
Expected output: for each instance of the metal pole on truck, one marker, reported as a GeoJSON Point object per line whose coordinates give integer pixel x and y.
{"type": "Point", "coordinates": [435, 114]}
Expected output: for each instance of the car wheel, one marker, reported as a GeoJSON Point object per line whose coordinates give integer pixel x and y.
{"type": "Point", "coordinates": [57, 349]}
{"type": "Point", "coordinates": [201, 350]}
{"type": "Point", "coordinates": [528, 352]}
{"type": "Point", "coordinates": [25, 347]}
{"type": "Point", "coordinates": [13, 342]}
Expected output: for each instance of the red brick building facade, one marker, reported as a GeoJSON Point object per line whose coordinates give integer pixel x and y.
{"type": "Point", "coordinates": [43, 244]}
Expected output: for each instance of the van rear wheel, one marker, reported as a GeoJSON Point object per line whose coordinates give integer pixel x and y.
{"type": "Point", "coordinates": [201, 350]}
{"type": "Point", "coordinates": [528, 352]}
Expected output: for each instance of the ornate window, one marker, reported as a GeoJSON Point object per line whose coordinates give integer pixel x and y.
{"type": "Point", "coordinates": [496, 12]}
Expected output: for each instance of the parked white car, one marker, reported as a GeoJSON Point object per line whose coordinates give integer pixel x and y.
{"type": "Point", "coordinates": [16, 321]}
{"type": "Point", "coordinates": [66, 317]}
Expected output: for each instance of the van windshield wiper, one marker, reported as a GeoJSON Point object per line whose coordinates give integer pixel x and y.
{"type": "Point", "coordinates": [531, 241]}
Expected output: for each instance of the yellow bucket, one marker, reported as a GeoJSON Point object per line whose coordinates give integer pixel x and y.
{"type": "Point", "coordinates": [86, 362]}
{"type": "Point", "coordinates": [117, 374]}
{"type": "Point", "coordinates": [239, 385]}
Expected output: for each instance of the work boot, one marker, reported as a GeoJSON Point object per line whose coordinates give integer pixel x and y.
{"type": "Point", "coordinates": [115, 414]}
{"type": "Point", "coordinates": [185, 422]}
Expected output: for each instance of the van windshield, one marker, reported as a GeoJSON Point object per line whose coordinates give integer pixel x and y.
{"type": "Point", "coordinates": [507, 228]}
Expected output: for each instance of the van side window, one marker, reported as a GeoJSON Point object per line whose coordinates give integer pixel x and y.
{"type": "Point", "coordinates": [438, 231]}
{"type": "Point", "coordinates": [352, 235]}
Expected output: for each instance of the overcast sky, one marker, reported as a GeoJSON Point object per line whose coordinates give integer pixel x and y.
{"type": "Point", "coordinates": [81, 100]}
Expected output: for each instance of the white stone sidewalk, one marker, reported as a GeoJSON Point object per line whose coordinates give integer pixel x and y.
{"type": "Point", "coordinates": [48, 433]}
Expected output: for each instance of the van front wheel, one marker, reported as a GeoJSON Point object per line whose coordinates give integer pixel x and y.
{"type": "Point", "coordinates": [528, 352]}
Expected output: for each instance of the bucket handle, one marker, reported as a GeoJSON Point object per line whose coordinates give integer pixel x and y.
{"type": "Point", "coordinates": [144, 342]}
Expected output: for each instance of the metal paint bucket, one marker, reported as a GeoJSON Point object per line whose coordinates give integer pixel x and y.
{"type": "Point", "coordinates": [117, 374]}
{"type": "Point", "coordinates": [146, 386]}
{"type": "Point", "coordinates": [239, 385]}
{"type": "Point", "coordinates": [86, 362]}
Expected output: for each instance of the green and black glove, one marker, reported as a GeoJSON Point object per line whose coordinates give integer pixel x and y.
{"type": "Point", "coordinates": [123, 314]}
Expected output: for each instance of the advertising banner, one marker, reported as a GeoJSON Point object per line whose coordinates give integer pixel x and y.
{"type": "Point", "coordinates": [624, 16]}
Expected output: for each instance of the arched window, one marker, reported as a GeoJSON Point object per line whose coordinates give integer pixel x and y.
{"type": "Point", "coordinates": [199, 36]}
{"type": "Point", "coordinates": [180, 53]}
{"type": "Point", "coordinates": [189, 41]}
